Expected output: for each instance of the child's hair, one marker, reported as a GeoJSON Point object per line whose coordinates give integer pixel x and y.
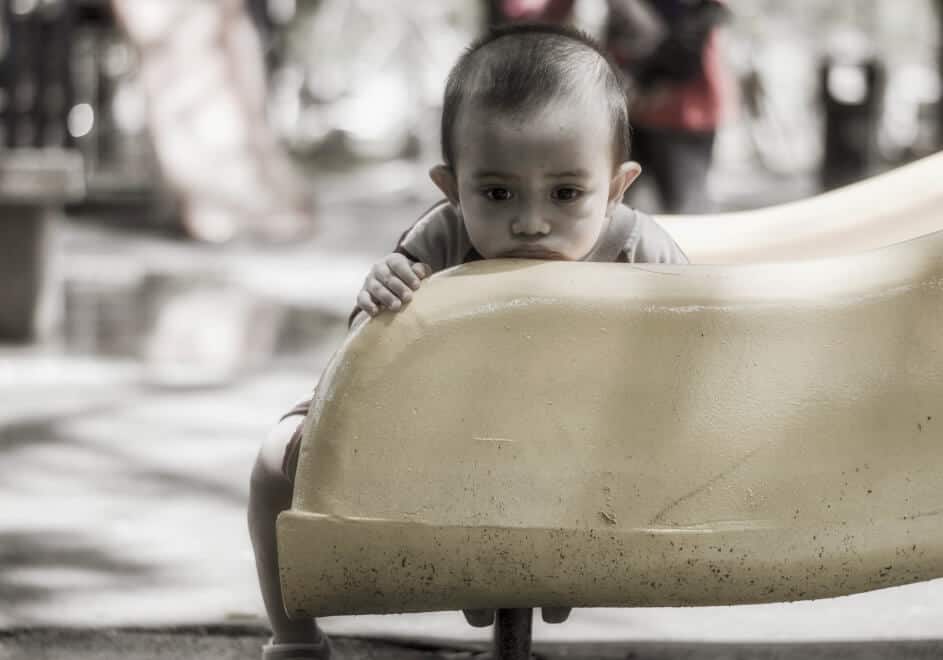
{"type": "Point", "coordinates": [532, 64]}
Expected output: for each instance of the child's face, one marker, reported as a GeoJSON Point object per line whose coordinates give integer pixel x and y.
{"type": "Point", "coordinates": [541, 186]}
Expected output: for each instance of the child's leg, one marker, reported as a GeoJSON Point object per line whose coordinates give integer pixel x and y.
{"type": "Point", "coordinates": [270, 493]}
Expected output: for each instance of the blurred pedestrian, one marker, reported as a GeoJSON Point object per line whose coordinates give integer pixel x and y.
{"type": "Point", "coordinates": [202, 68]}
{"type": "Point", "coordinates": [669, 51]}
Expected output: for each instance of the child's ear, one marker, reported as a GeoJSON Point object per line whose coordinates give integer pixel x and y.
{"type": "Point", "coordinates": [444, 179]}
{"type": "Point", "coordinates": [625, 175]}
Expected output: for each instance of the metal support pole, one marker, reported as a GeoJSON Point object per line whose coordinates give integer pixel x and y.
{"type": "Point", "coordinates": [512, 634]}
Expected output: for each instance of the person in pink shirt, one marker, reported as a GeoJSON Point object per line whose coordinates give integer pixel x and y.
{"type": "Point", "coordinates": [683, 91]}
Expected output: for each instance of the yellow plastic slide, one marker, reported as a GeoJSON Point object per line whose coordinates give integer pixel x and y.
{"type": "Point", "coordinates": [531, 433]}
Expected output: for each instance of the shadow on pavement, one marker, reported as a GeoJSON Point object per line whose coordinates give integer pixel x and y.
{"type": "Point", "coordinates": [27, 559]}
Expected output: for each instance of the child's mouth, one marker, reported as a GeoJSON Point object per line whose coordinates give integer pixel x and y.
{"type": "Point", "coordinates": [525, 252]}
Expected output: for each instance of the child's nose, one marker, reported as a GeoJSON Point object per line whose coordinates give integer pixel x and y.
{"type": "Point", "coordinates": [530, 222]}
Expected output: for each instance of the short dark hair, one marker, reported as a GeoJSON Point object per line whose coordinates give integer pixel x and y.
{"type": "Point", "coordinates": [536, 63]}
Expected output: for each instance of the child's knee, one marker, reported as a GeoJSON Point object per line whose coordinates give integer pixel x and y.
{"type": "Point", "coordinates": [269, 471]}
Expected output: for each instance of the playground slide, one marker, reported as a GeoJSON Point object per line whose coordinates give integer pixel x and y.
{"type": "Point", "coordinates": [534, 433]}
{"type": "Point", "coordinates": [902, 204]}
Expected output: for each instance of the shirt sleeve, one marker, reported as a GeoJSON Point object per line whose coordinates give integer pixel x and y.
{"type": "Point", "coordinates": [438, 239]}
{"type": "Point", "coordinates": [651, 243]}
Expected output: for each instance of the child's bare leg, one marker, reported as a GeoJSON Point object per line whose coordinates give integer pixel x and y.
{"type": "Point", "coordinates": [270, 493]}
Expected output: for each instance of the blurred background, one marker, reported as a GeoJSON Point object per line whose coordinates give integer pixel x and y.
{"type": "Point", "coordinates": [191, 192]}
{"type": "Point", "coordinates": [233, 127]}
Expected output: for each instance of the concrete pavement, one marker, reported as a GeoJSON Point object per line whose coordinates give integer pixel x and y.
{"type": "Point", "coordinates": [242, 643]}
{"type": "Point", "coordinates": [190, 643]}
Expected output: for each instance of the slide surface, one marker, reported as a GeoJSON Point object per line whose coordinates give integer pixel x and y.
{"type": "Point", "coordinates": [897, 206]}
{"type": "Point", "coordinates": [533, 433]}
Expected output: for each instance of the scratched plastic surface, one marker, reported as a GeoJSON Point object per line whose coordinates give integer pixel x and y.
{"type": "Point", "coordinates": [533, 434]}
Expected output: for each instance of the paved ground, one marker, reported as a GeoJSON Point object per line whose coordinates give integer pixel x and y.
{"type": "Point", "coordinates": [195, 642]}
{"type": "Point", "coordinates": [123, 481]}
{"type": "Point", "coordinates": [241, 643]}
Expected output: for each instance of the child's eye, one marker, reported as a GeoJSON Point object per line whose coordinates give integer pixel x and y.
{"type": "Point", "coordinates": [566, 194]}
{"type": "Point", "coordinates": [497, 194]}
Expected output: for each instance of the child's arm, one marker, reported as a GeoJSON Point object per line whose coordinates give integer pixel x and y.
{"type": "Point", "coordinates": [436, 241]}
{"type": "Point", "coordinates": [390, 284]}
{"type": "Point", "coordinates": [654, 244]}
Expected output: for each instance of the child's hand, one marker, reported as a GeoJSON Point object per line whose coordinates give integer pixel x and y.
{"type": "Point", "coordinates": [390, 284]}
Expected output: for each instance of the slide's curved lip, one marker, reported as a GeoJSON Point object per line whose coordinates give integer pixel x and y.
{"type": "Point", "coordinates": [897, 206]}
{"type": "Point", "coordinates": [821, 281]}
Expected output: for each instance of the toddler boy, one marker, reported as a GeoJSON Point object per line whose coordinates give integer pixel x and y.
{"type": "Point", "coordinates": [535, 144]}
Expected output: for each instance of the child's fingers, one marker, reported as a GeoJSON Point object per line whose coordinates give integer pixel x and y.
{"type": "Point", "coordinates": [380, 272]}
{"type": "Point", "coordinates": [390, 284]}
{"type": "Point", "coordinates": [399, 289]}
{"type": "Point", "coordinates": [422, 270]}
{"type": "Point", "coordinates": [382, 295]}
{"type": "Point", "coordinates": [365, 302]}
{"type": "Point", "coordinates": [400, 266]}
{"type": "Point", "coordinates": [389, 278]}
